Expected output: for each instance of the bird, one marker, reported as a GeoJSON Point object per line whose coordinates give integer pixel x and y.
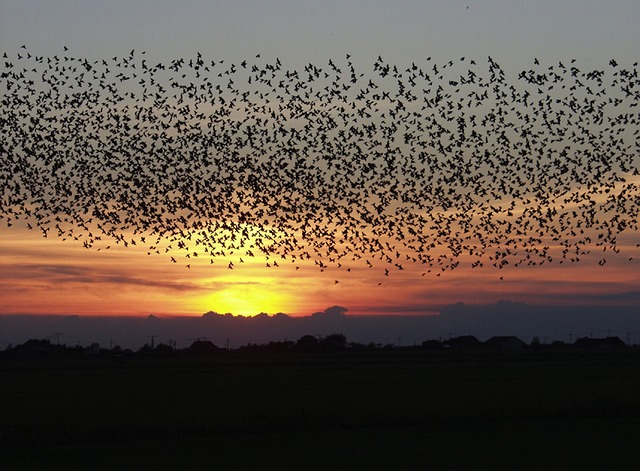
{"type": "Point", "coordinates": [439, 164]}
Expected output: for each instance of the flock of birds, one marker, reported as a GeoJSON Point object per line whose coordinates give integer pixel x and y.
{"type": "Point", "coordinates": [430, 163]}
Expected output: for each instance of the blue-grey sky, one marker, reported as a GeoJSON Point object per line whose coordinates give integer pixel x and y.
{"type": "Point", "coordinates": [512, 31]}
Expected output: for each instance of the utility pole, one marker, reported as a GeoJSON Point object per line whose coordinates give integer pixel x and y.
{"type": "Point", "coordinates": [153, 340]}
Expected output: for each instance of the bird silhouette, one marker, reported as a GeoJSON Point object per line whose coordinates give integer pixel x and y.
{"type": "Point", "coordinates": [436, 164]}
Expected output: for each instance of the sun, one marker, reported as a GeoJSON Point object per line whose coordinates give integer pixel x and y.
{"type": "Point", "coordinates": [246, 299]}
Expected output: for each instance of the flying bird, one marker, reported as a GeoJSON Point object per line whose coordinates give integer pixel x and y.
{"type": "Point", "coordinates": [458, 163]}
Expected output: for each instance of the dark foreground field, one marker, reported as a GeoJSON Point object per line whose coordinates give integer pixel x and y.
{"type": "Point", "coordinates": [396, 409]}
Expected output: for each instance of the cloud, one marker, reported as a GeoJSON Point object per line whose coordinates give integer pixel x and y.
{"type": "Point", "coordinates": [65, 274]}
{"type": "Point", "coordinates": [220, 285]}
{"type": "Point", "coordinates": [408, 309]}
{"type": "Point", "coordinates": [128, 280]}
{"type": "Point", "coordinates": [331, 312]}
{"type": "Point", "coordinates": [626, 296]}
{"type": "Point", "coordinates": [583, 288]}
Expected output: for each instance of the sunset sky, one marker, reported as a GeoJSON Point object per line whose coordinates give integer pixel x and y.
{"type": "Point", "coordinates": [54, 276]}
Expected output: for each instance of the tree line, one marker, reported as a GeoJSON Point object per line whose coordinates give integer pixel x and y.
{"type": "Point", "coordinates": [44, 348]}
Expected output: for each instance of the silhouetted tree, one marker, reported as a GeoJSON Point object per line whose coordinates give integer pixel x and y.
{"type": "Point", "coordinates": [164, 349]}
{"type": "Point", "coordinates": [432, 345]}
{"type": "Point", "coordinates": [307, 343]}
{"type": "Point", "coordinates": [146, 348]}
{"type": "Point", "coordinates": [333, 343]}
{"type": "Point", "coordinates": [204, 347]}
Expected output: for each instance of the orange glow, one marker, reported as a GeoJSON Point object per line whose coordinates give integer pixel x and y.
{"type": "Point", "coordinates": [41, 276]}
{"type": "Point", "coordinates": [244, 298]}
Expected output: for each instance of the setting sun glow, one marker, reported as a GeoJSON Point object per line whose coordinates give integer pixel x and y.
{"type": "Point", "coordinates": [244, 298]}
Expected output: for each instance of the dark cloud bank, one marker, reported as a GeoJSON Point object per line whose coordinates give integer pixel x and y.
{"type": "Point", "coordinates": [550, 323]}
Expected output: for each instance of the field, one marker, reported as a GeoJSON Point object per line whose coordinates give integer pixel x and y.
{"type": "Point", "coordinates": [385, 409]}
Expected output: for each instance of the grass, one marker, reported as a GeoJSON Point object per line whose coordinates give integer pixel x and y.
{"type": "Point", "coordinates": [587, 443]}
{"type": "Point", "coordinates": [371, 410]}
